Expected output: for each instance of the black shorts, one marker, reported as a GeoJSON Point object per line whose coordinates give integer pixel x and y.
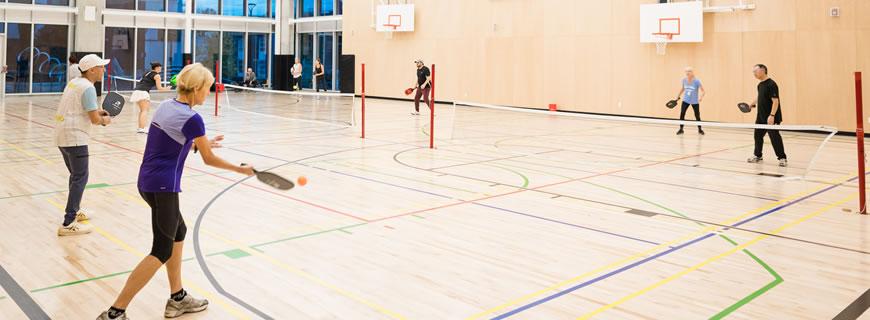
{"type": "Point", "coordinates": [167, 224]}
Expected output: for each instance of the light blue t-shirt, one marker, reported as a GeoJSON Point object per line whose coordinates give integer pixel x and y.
{"type": "Point", "coordinates": [691, 90]}
{"type": "Point", "coordinates": [89, 99]}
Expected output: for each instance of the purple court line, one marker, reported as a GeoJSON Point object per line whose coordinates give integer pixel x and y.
{"type": "Point", "coordinates": [653, 257]}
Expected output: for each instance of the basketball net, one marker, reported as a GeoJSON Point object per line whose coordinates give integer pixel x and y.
{"type": "Point", "coordinates": [662, 43]}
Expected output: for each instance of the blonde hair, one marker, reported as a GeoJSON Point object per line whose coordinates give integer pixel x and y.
{"type": "Point", "coordinates": [193, 78]}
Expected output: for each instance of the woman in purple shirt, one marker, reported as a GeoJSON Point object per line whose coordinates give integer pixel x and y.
{"type": "Point", "coordinates": [175, 128]}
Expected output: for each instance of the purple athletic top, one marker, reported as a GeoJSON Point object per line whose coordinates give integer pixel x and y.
{"type": "Point", "coordinates": [172, 131]}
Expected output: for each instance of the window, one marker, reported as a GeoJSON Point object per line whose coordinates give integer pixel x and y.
{"type": "Point", "coordinates": [326, 8]}
{"type": "Point", "coordinates": [152, 5]}
{"type": "Point", "coordinates": [121, 4]}
{"type": "Point", "coordinates": [258, 8]}
{"type": "Point", "coordinates": [306, 52]}
{"type": "Point", "coordinates": [338, 56]}
{"type": "Point", "coordinates": [18, 57]}
{"type": "Point", "coordinates": [233, 59]}
{"type": "Point", "coordinates": [150, 44]}
{"type": "Point", "coordinates": [49, 57]}
{"type": "Point", "coordinates": [2, 27]}
{"type": "Point", "coordinates": [175, 60]}
{"type": "Point", "coordinates": [21, 1]}
{"type": "Point", "coordinates": [53, 2]}
{"type": "Point", "coordinates": [207, 6]}
{"type": "Point", "coordinates": [325, 53]}
{"type": "Point", "coordinates": [233, 7]}
{"type": "Point", "coordinates": [176, 6]}
{"type": "Point", "coordinates": [306, 8]}
{"type": "Point", "coordinates": [340, 7]}
{"type": "Point", "coordinates": [272, 9]}
{"type": "Point", "coordinates": [119, 48]}
{"type": "Point", "coordinates": [258, 55]}
{"type": "Point", "coordinates": [207, 46]}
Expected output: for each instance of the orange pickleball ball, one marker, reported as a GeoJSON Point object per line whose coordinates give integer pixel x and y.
{"type": "Point", "coordinates": [302, 180]}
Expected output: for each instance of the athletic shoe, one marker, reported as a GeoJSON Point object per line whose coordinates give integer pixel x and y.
{"type": "Point", "coordinates": [73, 229]}
{"type": "Point", "coordinates": [680, 132]}
{"type": "Point", "coordinates": [783, 162]}
{"type": "Point", "coordinates": [701, 132]}
{"type": "Point", "coordinates": [415, 113]}
{"type": "Point", "coordinates": [187, 305]}
{"type": "Point", "coordinates": [754, 160]}
{"type": "Point", "coordinates": [142, 130]}
{"type": "Point", "coordinates": [105, 316]}
{"type": "Point", "coordinates": [82, 216]}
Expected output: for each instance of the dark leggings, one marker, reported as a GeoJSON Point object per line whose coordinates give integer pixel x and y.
{"type": "Point", "coordinates": [775, 140]}
{"type": "Point", "coordinates": [167, 224]}
{"type": "Point", "coordinates": [696, 107]}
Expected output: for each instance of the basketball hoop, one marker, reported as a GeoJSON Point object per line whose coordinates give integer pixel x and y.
{"type": "Point", "coordinates": [662, 42]}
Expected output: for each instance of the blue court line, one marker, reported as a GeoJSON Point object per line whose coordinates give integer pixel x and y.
{"type": "Point", "coordinates": [640, 262]}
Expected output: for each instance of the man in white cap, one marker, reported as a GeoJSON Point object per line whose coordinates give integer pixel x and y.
{"type": "Point", "coordinates": [423, 85]}
{"type": "Point", "coordinates": [77, 112]}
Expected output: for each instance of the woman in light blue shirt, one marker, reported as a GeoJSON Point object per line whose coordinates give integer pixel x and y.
{"type": "Point", "coordinates": [694, 93]}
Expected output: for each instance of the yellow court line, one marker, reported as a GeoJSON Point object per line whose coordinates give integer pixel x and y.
{"type": "Point", "coordinates": [25, 152]}
{"type": "Point", "coordinates": [309, 276]}
{"type": "Point", "coordinates": [718, 257]}
{"type": "Point", "coordinates": [640, 255]}
{"type": "Point", "coordinates": [293, 270]}
{"type": "Point", "coordinates": [199, 290]}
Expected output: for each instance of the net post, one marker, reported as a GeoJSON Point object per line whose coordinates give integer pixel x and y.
{"type": "Point", "coordinates": [859, 135]}
{"type": "Point", "coordinates": [109, 77]}
{"type": "Point", "coordinates": [432, 110]}
{"type": "Point", "coordinates": [217, 87]}
{"type": "Point", "coordinates": [363, 116]}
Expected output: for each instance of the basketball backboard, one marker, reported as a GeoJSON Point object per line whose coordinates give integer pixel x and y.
{"type": "Point", "coordinates": [395, 18]}
{"type": "Point", "coordinates": [672, 22]}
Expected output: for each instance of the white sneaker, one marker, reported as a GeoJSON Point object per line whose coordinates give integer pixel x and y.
{"type": "Point", "coordinates": [142, 130]}
{"type": "Point", "coordinates": [783, 162]}
{"type": "Point", "coordinates": [74, 229]}
{"type": "Point", "coordinates": [187, 305]}
{"type": "Point", "coordinates": [81, 216]}
{"type": "Point", "coordinates": [754, 159]}
{"type": "Point", "coordinates": [105, 316]}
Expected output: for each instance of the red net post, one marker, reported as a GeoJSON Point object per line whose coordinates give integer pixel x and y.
{"type": "Point", "coordinates": [432, 110]}
{"type": "Point", "coordinates": [109, 77]}
{"type": "Point", "coordinates": [363, 116]}
{"type": "Point", "coordinates": [859, 134]}
{"type": "Point", "coordinates": [217, 85]}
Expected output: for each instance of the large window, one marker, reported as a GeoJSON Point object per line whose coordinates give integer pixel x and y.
{"type": "Point", "coordinates": [120, 49]}
{"type": "Point", "coordinates": [49, 57]}
{"type": "Point", "coordinates": [207, 47]}
{"type": "Point", "coordinates": [121, 4]}
{"type": "Point", "coordinates": [150, 46]}
{"type": "Point", "coordinates": [306, 8]}
{"type": "Point", "coordinates": [326, 8]}
{"type": "Point", "coordinates": [340, 9]}
{"type": "Point", "coordinates": [258, 55]}
{"type": "Point", "coordinates": [21, 1]}
{"type": "Point", "coordinates": [152, 5]}
{"type": "Point", "coordinates": [209, 6]}
{"type": "Point", "coordinates": [175, 60]}
{"type": "Point", "coordinates": [18, 57]}
{"type": "Point", "coordinates": [258, 8]}
{"type": "Point", "coordinates": [338, 56]}
{"type": "Point", "coordinates": [233, 7]}
{"type": "Point", "coordinates": [53, 2]}
{"type": "Point", "coordinates": [233, 60]}
{"type": "Point", "coordinates": [306, 51]}
{"type": "Point", "coordinates": [325, 53]}
{"type": "Point", "coordinates": [176, 6]}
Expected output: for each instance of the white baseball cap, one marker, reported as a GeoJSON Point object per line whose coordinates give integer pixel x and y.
{"type": "Point", "coordinates": [418, 61]}
{"type": "Point", "coordinates": [90, 61]}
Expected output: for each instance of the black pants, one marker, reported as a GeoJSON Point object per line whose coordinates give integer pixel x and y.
{"type": "Point", "coordinates": [775, 139]}
{"type": "Point", "coordinates": [76, 160]}
{"type": "Point", "coordinates": [424, 93]}
{"type": "Point", "coordinates": [321, 83]}
{"type": "Point", "coordinates": [167, 224]}
{"type": "Point", "coordinates": [696, 107]}
{"type": "Point", "coordinates": [295, 83]}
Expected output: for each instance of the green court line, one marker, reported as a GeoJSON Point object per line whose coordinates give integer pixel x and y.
{"type": "Point", "coordinates": [345, 231]}
{"type": "Point", "coordinates": [416, 216]}
{"type": "Point", "coordinates": [236, 254]}
{"type": "Point", "coordinates": [525, 179]}
{"type": "Point", "coordinates": [97, 185]}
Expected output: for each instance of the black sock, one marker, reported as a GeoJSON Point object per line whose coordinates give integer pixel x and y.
{"type": "Point", "coordinates": [67, 221]}
{"type": "Point", "coordinates": [115, 312]}
{"type": "Point", "coordinates": [178, 296]}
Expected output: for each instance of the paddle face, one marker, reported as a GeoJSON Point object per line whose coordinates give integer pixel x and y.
{"type": "Point", "coordinates": [113, 104]}
{"type": "Point", "coordinates": [274, 180]}
{"type": "Point", "coordinates": [409, 91]}
{"type": "Point", "coordinates": [671, 104]}
{"type": "Point", "coordinates": [744, 107]}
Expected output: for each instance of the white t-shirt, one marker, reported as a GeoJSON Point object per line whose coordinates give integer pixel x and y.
{"type": "Point", "coordinates": [297, 70]}
{"type": "Point", "coordinates": [72, 125]}
{"type": "Point", "coordinates": [73, 72]}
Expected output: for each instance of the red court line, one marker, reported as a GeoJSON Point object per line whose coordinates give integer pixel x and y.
{"type": "Point", "coordinates": [215, 175]}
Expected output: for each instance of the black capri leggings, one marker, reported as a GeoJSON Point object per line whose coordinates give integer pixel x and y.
{"type": "Point", "coordinates": [167, 224]}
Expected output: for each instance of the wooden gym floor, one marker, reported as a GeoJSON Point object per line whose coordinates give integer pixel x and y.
{"type": "Point", "coordinates": [517, 216]}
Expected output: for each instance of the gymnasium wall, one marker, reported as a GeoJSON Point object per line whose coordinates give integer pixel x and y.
{"type": "Point", "coordinates": [586, 56]}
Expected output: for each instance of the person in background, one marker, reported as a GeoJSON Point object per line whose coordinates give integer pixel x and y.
{"type": "Point", "coordinates": [424, 76]}
{"type": "Point", "coordinates": [319, 76]}
{"type": "Point", "coordinates": [770, 113]}
{"type": "Point", "coordinates": [73, 69]}
{"type": "Point", "coordinates": [142, 97]}
{"type": "Point", "coordinates": [296, 71]}
{"type": "Point", "coordinates": [250, 78]}
{"type": "Point", "coordinates": [692, 87]}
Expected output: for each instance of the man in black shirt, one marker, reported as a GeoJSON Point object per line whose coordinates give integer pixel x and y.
{"type": "Point", "coordinates": [769, 112]}
{"type": "Point", "coordinates": [422, 85]}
